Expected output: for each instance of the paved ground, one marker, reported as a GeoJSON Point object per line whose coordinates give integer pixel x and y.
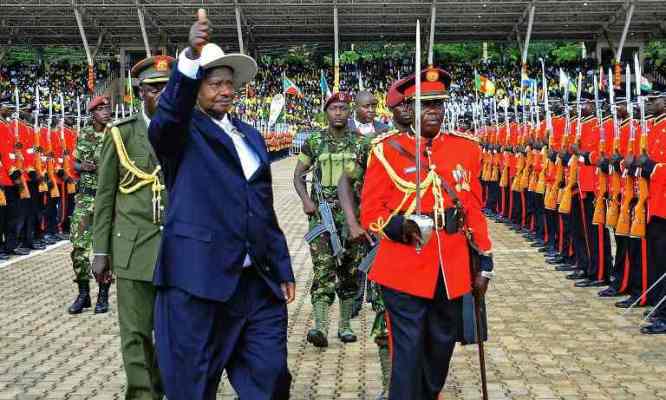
{"type": "Point", "coordinates": [548, 340]}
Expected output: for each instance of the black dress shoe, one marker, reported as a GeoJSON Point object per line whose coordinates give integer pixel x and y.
{"type": "Point", "coordinates": [584, 283]}
{"type": "Point", "coordinates": [551, 254]}
{"type": "Point", "coordinates": [19, 251]}
{"type": "Point", "coordinates": [626, 303]}
{"type": "Point", "coordinates": [576, 275]}
{"type": "Point", "coordinates": [555, 260]}
{"type": "Point", "coordinates": [658, 327]}
{"type": "Point", "coordinates": [62, 236]}
{"type": "Point", "coordinates": [609, 292]}
{"type": "Point", "coordinates": [565, 268]}
{"type": "Point", "coordinates": [597, 283]}
{"type": "Point", "coordinates": [37, 246]}
{"type": "Point", "coordinates": [538, 243]}
{"type": "Point", "coordinates": [49, 240]}
{"type": "Point", "coordinates": [4, 256]}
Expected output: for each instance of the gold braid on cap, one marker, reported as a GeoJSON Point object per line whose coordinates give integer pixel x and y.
{"type": "Point", "coordinates": [135, 178]}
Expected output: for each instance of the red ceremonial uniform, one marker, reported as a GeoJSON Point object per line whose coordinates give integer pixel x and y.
{"type": "Point", "coordinates": [400, 266]}
{"type": "Point", "coordinates": [657, 153]}
{"type": "Point", "coordinates": [68, 154]}
{"type": "Point", "coordinates": [6, 154]}
{"type": "Point", "coordinates": [555, 144]}
{"type": "Point", "coordinates": [589, 142]}
{"type": "Point", "coordinates": [27, 137]}
{"type": "Point", "coordinates": [513, 141]}
{"type": "Point", "coordinates": [57, 152]}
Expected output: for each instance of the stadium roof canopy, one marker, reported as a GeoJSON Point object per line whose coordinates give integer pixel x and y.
{"type": "Point", "coordinates": [278, 23]}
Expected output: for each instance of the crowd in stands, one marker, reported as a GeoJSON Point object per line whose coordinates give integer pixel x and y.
{"type": "Point", "coordinates": [70, 79]}
{"type": "Point", "coordinates": [302, 113]}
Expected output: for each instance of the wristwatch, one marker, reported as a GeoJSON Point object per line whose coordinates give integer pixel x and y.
{"type": "Point", "coordinates": [488, 274]}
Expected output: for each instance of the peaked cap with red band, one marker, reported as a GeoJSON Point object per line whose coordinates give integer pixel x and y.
{"type": "Point", "coordinates": [434, 84]}
{"type": "Point", "coordinates": [395, 96]}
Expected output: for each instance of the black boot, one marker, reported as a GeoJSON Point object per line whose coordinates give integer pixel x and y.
{"type": "Point", "coordinates": [82, 300]}
{"type": "Point", "coordinates": [102, 305]}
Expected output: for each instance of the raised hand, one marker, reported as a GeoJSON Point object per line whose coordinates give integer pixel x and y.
{"type": "Point", "coordinates": [199, 33]}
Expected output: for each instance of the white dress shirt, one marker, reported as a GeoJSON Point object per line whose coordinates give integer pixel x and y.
{"type": "Point", "coordinates": [248, 157]}
{"type": "Point", "coordinates": [365, 129]}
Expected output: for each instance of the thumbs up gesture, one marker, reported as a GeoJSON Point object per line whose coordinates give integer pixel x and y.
{"type": "Point", "coordinates": [199, 33]}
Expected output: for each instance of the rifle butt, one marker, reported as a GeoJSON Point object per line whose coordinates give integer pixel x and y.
{"type": "Point", "coordinates": [612, 213]}
{"type": "Point", "coordinates": [565, 201]}
{"type": "Point", "coordinates": [638, 223]}
{"type": "Point", "coordinates": [599, 216]}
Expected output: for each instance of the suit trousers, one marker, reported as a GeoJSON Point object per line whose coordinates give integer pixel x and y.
{"type": "Point", "coordinates": [197, 339]}
{"type": "Point", "coordinates": [135, 319]}
{"type": "Point", "coordinates": [424, 333]}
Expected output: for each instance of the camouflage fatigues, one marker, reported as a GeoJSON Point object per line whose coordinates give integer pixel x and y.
{"type": "Point", "coordinates": [331, 157]}
{"type": "Point", "coordinates": [88, 148]}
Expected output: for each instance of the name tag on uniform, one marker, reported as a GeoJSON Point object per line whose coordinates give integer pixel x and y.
{"type": "Point", "coordinates": [60, 160]}
{"type": "Point", "coordinates": [410, 170]}
{"type": "Point", "coordinates": [12, 156]}
{"type": "Point", "coordinates": [30, 151]}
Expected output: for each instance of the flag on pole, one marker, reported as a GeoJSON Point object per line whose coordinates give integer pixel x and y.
{"type": "Point", "coordinates": [323, 85]}
{"type": "Point", "coordinates": [360, 80]}
{"type": "Point", "coordinates": [289, 87]}
{"type": "Point", "coordinates": [129, 93]}
{"type": "Point", "coordinates": [485, 85]}
{"type": "Point", "coordinates": [564, 79]}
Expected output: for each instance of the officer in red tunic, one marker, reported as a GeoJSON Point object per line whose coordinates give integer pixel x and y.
{"type": "Point", "coordinates": [424, 280]}
{"type": "Point", "coordinates": [653, 167]}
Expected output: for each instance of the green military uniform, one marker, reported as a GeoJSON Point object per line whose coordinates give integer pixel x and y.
{"type": "Point", "coordinates": [331, 157]}
{"type": "Point", "coordinates": [127, 228]}
{"type": "Point", "coordinates": [129, 208]}
{"type": "Point", "coordinates": [88, 148]}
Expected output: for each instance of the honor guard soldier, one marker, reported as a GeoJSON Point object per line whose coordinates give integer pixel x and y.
{"type": "Point", "coordinates": [87, 156]}
{"type": "Point", "coordinates": [652, 166]}
{"type": "Point", "coordinates": [335, 257]}
{"type": "Point", "coordinates": [129, 209]}
{"type": "Point", "coordinates": [423, 280]}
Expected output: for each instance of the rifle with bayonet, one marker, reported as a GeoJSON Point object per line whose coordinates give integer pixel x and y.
{"type": "Point", "coordinates": [623, 227]}
{"type": "Point", "coordinates": [54, 192]}
{"type": "Point", "coordinates": [40, 170]}
{"type": "Point", "coordinates": [24, 192]}
{"type": "Point", "coordinates": [599, 215]}
{"type": "Point", "coordinates": [68, 162]}
{"type": "Point", "coordinates": [639, 219]}
{"type": "Point", "coordinates": [495, 173]}
{"type": "Point", "coordinates": [615, 186]}
{"type": "Point", "coordinates": [541, 186]}
{"type": "Point", "coordinates": [517, 151]}
{"type": "Point", "coordinates": [567, 193]}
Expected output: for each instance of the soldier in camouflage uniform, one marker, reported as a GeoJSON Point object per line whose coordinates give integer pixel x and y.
{"type": "Point", "coordinates": [349, 189]}
{"type": "Point", "coordinates": [88, 150]}
{"type": "Point", "coordinates": [331, 152]}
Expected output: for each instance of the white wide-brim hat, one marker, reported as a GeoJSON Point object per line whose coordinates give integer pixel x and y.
{"type": "Point", "coordinates": [244, 67]}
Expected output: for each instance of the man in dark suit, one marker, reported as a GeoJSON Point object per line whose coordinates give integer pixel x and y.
{"type": "Point", "coordinates": [224, 273]}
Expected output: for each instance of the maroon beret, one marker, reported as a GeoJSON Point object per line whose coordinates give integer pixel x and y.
{"type": "Point", "coordinates": [337, 97]}
{"type": "Point", "coordinates": [394, 96]}
{"type": "Point", "coordinates": [97, 101]}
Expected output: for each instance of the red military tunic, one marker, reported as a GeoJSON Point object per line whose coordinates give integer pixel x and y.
{"type": "Point", "coordinates": [555, 144]}
{"type": "Point", "coordinates": [70, 147]}
{"type": "Point", "coordinates": [27, 137]}
{"type": "Point", "coordinates": [589, 142]}
{"type": "Point", "coordinates": [657, 153]}
{"type": "Point", "coordinates": [57, 152]}
{"type": "Point", "coordinates": [6, 154]}
{"type": "Point", "coordinates": [514, 130]}
{"type": "Point", "coordinates": [398, 265]}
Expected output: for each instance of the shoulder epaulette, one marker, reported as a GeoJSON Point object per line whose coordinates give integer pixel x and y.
{"type": "Point", "coordinates": [384, 136]}
{"type": "Point", "coordinates": [659, 118]}
{"type": "Point", "coordinates": [465, 135]}
{"type": "Point", "coordinates": [123, 121]}
{"type": "Point", "coordinates": [588, 118]}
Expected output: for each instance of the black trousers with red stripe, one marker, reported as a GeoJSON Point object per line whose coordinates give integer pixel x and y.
{"type": "Point", "coordinates": [423, 335]}
{"type": "Point", "coordinates": [622, 265]}
{"type": "Point", "coordinates": [656, 261]}
{"type": "Point", "coordinates": [493, 198]}
{"type": "Point", "coordinates": [579, 235]}
{"type": "Point", "coordinates": [599, 239]}
{"type": "Point", "coordinates": [540, 224]}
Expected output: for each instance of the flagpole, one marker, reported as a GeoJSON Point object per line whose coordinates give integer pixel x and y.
{"type": "Point", "coordinates": [336, 82]}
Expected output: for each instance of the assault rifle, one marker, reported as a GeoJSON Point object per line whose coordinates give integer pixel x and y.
{"type": "Point", "coordinates": [327, 224]}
